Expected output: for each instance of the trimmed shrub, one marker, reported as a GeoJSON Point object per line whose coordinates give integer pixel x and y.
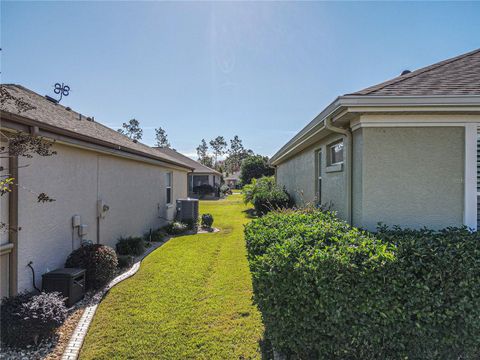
{"type": "Point", "coordinates": [207, 221]}
{"type": "Point", "coordinates": [125, 261]}
{"type": "Point", "coordinates": [28, 318]}
{"type": "Point", "coordinates": [273, 199]}
{"type": "Point", "coordinates": [250, 190]}
{"type": "Point", "coordinates": [131, 246]}
{"type": "Point", "coordinates": [225, 190]}
{"type": "Point", "coordinates": [154, 235]}
{"type": "Point", "coordinates": [278, 226]}
{"type": "Point", "coordinates": [330, 291]}
{"type": "Point", "coordinates": [265, 195]}
{"type": "Point", "coordinates": [176, 228]}
{"type": "Point", "coordinates": [99, 261]}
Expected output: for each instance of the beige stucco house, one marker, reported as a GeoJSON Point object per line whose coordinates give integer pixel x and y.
{"type": "Point", "coordinates": [200, 174]}
{"type": "Point", "coordinates": [403, 152]}
{"type": "Point", "coordinates": [233, 180]}
{"type": "Point", "coordinates": [105, 186]}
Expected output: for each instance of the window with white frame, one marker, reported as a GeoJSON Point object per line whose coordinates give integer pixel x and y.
{"type": "Point", "coordinates": [168, 187]}
{"type": "Point", "coordinates": [335, 153]}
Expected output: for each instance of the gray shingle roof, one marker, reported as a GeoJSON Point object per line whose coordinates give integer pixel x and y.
{"type": "Point", "coordinates": [198, 168]}
{"type": "Point", "coordinates": [456, 76]}
{"type": "Point", "coordinates": [58, 116]}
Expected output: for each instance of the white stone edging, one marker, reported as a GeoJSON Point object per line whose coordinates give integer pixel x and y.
{"type": "Point", "coordinates": [76, 341]}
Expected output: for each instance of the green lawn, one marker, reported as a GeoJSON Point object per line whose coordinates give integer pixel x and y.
{"type": "Point", "coordinates": [191, 299]}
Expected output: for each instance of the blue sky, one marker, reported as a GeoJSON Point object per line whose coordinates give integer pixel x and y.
{"type": "Point", "coordinates": [260, 70]}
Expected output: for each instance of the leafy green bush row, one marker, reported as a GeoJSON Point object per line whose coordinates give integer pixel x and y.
{"type": "Point", "coordinates": [330, 291]}
{"type": "Point", "coordinates": [265, 195]}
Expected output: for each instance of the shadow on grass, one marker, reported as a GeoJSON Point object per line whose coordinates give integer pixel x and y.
{"type": "Point", "coordinates": [251, 213]}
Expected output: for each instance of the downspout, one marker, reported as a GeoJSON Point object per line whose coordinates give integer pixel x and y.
{"type": "Point", "coordinates": [349, 164]}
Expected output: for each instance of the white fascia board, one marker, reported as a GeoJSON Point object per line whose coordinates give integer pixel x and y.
{"type": "Point", "coordinates": [365, 103]}
{"type": "Point", "coordinates": [306, 133]}
{"type": "Point", "coordinates": [439, 100]}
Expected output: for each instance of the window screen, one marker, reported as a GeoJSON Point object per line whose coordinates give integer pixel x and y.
{"type": "Point", "coordinates": [335, 153]}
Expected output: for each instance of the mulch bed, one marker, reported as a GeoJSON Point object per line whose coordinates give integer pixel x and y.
{"type": "Point", "coordinates": [53, 348]}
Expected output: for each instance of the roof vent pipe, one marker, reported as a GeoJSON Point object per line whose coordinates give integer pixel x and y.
{"type": "Point", "coordinates": [405, 72]}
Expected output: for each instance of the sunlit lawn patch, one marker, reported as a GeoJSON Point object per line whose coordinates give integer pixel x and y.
{"type": "Point", "coordinates": [190, 299]}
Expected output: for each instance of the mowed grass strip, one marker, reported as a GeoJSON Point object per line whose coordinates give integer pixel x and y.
{"type": "Point", "coordinates": [191, 299]}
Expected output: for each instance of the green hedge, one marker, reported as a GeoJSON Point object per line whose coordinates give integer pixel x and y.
{"type": "Point", "coordinates": [329, 291]}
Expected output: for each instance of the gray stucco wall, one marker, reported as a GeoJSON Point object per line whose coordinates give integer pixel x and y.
{"type": "Point", "coordinates": [298, 175]}
{"type": "Point", "coordinates": [408, 176]}
{"type": "Point", "coordinates": [412, 176]}
{"type": "Point", "coordinates": [76, 178]}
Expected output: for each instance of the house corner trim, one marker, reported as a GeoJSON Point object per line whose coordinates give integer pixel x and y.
{"type": "Point", "coordinates": [470, 192]}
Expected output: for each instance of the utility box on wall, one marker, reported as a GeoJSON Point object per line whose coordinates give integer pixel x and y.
{"type": "Point", "coordinates": [187, 210]}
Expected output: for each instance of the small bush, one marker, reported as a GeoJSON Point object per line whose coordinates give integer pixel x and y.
{"type": "Point", "coordinates": [225, 190]}
{"type": "Point", "coordinates": [250, 190]}
{"type": "Point", "coordinates": [154, 235]}
{"type": "Point", "coordinates": [274, 199]}
{"type": "Point", "coordinates": [330, 291]}
{"type": "Point", "coordinates": [125, 261]}
{"type": "Point", "coordinates": [131, 246]}
{"type": "Point", "coordinates": [191, 223]}
{"type": "Point", "coordinates": [28, 318]}
{"type": "Point", "coordinates": [207, 221]}
{"type": "Point", "coordinates": [176, 228]}
{"type": "Point", "coordinates": [265, 195]}
{"type": "Point", "coordinates": [99, 261]}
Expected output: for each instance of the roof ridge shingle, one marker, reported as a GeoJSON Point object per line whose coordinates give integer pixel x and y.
{"type": "Point", "coordinates": [413, 74]}
{"type": "Point", "coordinates": [66, 108]}
{"type": "Point", "coordinates": [199, 167]}
{"type": "Point", "coordinates": [59, 117]}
